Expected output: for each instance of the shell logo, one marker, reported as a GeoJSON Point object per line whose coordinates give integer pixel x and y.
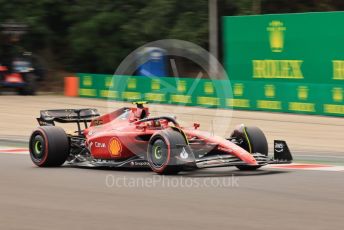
{"type": "Point", "coordinates": [115, 147]}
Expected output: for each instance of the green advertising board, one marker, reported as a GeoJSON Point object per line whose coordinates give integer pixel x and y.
{"type": "Point", "coordinates": [286, 62]}
{"type": "Point", "coordinates": [165, 90]}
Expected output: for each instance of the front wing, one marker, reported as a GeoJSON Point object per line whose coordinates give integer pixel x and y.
{"type": "Point", "coordinates": [282, 155]}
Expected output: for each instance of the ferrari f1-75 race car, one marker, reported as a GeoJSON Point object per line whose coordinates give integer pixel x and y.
{"type": "Point", "coordinates": [129, 137]}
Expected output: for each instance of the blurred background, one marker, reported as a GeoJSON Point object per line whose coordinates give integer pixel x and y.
{"type": "Point", "coordinates": [71, 36]}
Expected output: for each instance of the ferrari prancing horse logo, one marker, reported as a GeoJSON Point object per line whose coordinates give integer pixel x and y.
{"type": "Point", "coordinates": [115, 147]}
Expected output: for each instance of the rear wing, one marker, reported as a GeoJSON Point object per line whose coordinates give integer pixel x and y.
{"type": "Point", "coordinates": [49, 117]}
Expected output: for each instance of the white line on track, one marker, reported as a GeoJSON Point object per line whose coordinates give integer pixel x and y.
{"type": "Point", "coordinates": [319, 156]}
{"type": "Point", "coordinates": [11, 150]}
{"type": "Point", "coordinates": [309, 167]}
{"type": "Point", "coordinates": [17, 153]}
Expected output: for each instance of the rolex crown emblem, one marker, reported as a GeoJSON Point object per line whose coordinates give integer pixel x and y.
{"type": "Point", "coordinates": [276, 35]}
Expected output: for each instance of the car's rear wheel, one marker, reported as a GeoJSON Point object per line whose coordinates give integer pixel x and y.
{"type": "Point", "coordinates": [253, 140]}
{"type": "Point", "coordinates": [162, 150]}
{"type": "Point", "coordinates": [49, 146]}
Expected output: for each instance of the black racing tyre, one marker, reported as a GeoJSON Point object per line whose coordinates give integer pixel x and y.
{"type": "Point", "coordinates": [163, 147]}
{"type": "Point", "coordinates": [254, 141]}
{"type": "Point", "coordinates": [49, 146]}
{"type": "Point", "coordinates": [31, 85]}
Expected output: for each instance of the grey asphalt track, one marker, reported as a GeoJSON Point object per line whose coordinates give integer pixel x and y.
{"type": "Point", "coordinates": [78, 198]}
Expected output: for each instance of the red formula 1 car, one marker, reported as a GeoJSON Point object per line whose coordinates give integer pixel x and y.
{"type": "Point", "coordinates": [22, 76]}
{"type": "Point", "coordinates": [129, 137]}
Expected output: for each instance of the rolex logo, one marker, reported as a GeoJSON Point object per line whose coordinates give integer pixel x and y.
{"type": "Point", "coordinates": [302, 92]}
{"type": "Point", "coordinates": [337, 94]}
{"type": "Point", "coordinates": [276, 36]}
{"type": "Point", "coordinates": [238, 89]}
{"type": "Point", "coordinates": [269, 91]}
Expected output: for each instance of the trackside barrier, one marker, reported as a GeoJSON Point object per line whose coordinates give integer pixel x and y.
{"type": "Point", "coordinates": [71, 86]}
{"type": "Point", "coordinates": [248, 95]}
{"type": "Point", "coordinates": [186, 91]}
{"type": "Point", "coordinates": [286, 62]}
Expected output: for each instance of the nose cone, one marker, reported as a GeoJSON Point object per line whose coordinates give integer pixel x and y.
{"type": "Point", "coordinates": [248, 158]}
{"type": "Point", "coordinates": [242, 154]}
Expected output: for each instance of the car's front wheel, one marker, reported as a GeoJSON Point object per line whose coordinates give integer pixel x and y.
{"type": "Point", "coordinates": [167, 151]}
{"type": "Point", "coordinates": [253, 140]}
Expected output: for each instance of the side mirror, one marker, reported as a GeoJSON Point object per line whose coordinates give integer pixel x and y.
{"type": "Point", "coordinates": [196, 125]}
{"type": "Point", "coordinates": [139, 104]}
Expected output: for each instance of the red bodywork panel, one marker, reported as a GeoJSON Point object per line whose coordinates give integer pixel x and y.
{"type": "Point", "coordinates": [116, 139]}
{"type": "Point", "coordinates": [3, 68]}
{"type": "Point", "coordinates": [11, 77]}
{"type": "Point", "coordinates": [120, 135]}
{"type": "Point", "coordinates": [224, 145]}
{"type": "Point", "coordinates": [14, 78]}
